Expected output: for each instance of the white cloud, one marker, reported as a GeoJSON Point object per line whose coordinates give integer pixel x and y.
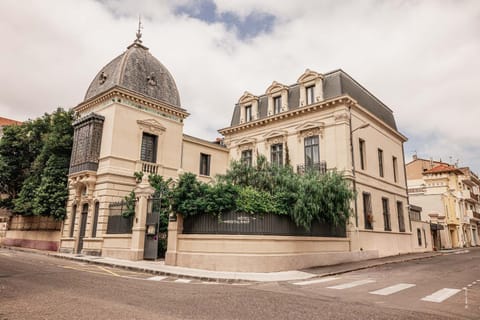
{"type": "Point", "coordinates": [419, 57]}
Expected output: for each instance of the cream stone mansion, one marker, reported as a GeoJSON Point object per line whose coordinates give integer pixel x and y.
{"type": "Point", "coordinates": [132, 120]}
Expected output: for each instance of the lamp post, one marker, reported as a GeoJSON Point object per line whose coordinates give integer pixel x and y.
{"type": "Point", "coordinates": [363, 126]}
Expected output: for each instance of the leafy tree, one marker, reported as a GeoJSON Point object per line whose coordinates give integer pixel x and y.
{"type": "Point", "coordinates": [34, 161]}
{"type": "Point", "coordinates": [19, 148]}
{"type": "Point", "coordinates": [45, 191]}
{"type": "Point", "coordinates": [279, 190]}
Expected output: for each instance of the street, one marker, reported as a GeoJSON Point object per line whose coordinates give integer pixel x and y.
{"type": "Point", "coordinates": [34, 286]}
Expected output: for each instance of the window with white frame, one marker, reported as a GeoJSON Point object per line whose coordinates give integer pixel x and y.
{"type": "Point", "coordinates": [310, 94]}
{"type": "Point", "coordinates": [247, 157]}
{"type": "Point", "coordinates": [277, 104]}
{"type": "Point", "coordinates": [312, 153]}
{"type": "Point", "coordinates": [276, 154]}
{"type": "Point", "coordinates": [248, 113]}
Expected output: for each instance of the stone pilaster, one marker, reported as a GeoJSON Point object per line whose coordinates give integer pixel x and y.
{"type": "Point", "coordinates": [142, 192]}
{"type": "Point", "coordinates": [175, 227]}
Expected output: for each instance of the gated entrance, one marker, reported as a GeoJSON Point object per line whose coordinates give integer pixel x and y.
{"type": "Point", "coordinates": [154, 229]}
{"type": "Point", "coordinates": [83, 226]}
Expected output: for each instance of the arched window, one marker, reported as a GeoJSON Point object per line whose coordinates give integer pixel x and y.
{"type": "Point", "coordinates": [72, 223]}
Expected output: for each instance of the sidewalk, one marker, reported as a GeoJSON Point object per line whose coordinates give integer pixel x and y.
{"type": "Point", "coordinates": [159, 268]}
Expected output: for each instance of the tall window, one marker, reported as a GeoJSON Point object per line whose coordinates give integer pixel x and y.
{"type": "Point", "coordinates": [248, 113]}
{"type": "Point", "coordinates": [149, 148]}
{"type": "Point", "coordinates": [277, 104]}
{"type": "Point", "coordinates": [204, 164]}
{"type": "Point", "coordinates": [380, 162]}
{"type": "Point", "coordinates": [367, 210]}
{"type": "Point", "coordinates": [386, 214]}
{"type": "Point", "coordinates": [401, 219]}
{"type": "Point", "coordinates": [247, 157]}
{"type": "Point", "coordinates": [395, 169]}
{"type": "Point", "coordinates": [72, 224]}
{"type": "Point", "coordinates": [276, 154]}
{"type": "Point", "coordinates": [312, 154]}
{"type": "Point", "coordinates": [361, 146]}
{"type": "Point", "coordinates": [95, 219]}
{"type": "Point", "coordinates": [310, 94]}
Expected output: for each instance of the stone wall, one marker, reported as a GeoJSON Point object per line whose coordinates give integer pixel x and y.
{"type": "Point", "coordinates": [34, 232]}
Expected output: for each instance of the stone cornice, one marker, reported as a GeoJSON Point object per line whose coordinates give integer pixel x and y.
{"type": "Point", "coordinates": [204, 143]}
{"type": "Point", "coordinates": [288, 114]}
{"type": "Point", "coordinates": [134, 97]}
{"type": "Point", "coordinates": [345, 99]}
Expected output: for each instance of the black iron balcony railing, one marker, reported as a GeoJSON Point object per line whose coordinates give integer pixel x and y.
{"type": "Point", "coordinates": [320, 167]}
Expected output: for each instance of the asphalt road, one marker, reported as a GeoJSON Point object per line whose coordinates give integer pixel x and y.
{"type": "Point", "coordinates": [35, 286]}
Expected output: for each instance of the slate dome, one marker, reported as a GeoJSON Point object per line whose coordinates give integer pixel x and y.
{"type": "Point", "coordinates": [137, 70]}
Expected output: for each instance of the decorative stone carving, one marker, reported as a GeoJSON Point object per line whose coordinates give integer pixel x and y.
{"type": "Point", "coordinates": [275, 137]}
{"type": "Point", "coordinates": [102, 78]}
{"type": "Point", "coordinates": [309, 129]}
{"type": "Point", "coordinates": [151, 125]}
{"type": "Point", "coordinates": [344, 116]}
{"type": "Point", "coordinates": [151, 79]}
{"type": "Point", "coordinates": [246, 144]}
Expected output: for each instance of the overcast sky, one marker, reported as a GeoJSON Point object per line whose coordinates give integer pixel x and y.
{"type": "Point", "coordinates": [421, 58]}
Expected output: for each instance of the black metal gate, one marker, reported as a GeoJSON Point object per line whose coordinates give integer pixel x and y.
{"type": "Point", "coordinates": [152, 232]}
{"type": "Point", "coordinates": [83, 226]}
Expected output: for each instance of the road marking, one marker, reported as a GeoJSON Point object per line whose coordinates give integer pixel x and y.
{"type": "Point", "coordinates": [157, 278]}
{"type": "Point", "coordinates": [304, 283]}
{"type": "Point", "coordinates": [351, 284]}
{"type": "Point", "coordinates": [441, 295]}
{"type": "Point", "coordinates": [182, 281]}
{"type": "Point", "coordinates": [393, 289]}
{"type": "Point", "coordinates": [111, 272]}
{"type": "Point", "coordinates": [83, 270]}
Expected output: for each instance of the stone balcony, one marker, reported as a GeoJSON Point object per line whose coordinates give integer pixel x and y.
{"type": "Point", "coordinates": [147, 167]}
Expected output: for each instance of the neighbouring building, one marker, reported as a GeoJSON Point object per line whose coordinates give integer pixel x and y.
{"type": "Point", "coordinates": [7, 122]}
{"type": "Point", "coordinates": [132, 120]}
{"type": "Point", "coordinates": [449, 197]}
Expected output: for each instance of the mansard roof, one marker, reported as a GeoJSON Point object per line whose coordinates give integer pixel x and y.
{"type": "Point", "coordinates": [335, 84]}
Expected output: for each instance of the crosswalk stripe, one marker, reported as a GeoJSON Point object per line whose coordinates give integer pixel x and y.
{"type": "Point", "coordinates": [182, 281]}
{"type": "Point", "coordinates": [441, 295]}
{"type": "Point", "coordinates": [304, 283]}
{"type": "Point", "coordinates": [157, 278]}
{"type": "Point", "coordinates": [393, 289]}
{"type": "Point", "coordinates": [351, 284]}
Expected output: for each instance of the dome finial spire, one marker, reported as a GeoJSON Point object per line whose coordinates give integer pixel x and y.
{"type": "Point", "coordinates": [139, 32]}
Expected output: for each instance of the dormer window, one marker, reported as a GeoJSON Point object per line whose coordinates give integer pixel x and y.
{"type": "Point", "coordinates": [310, 94]}
{"type": "Point", "coordinates": [277, 98]}
{"type": "Point", "coordinates": [248, 113]}
{"type": "Point", "coordinates": [248, 104]}
{"type": "Point", "coordinates": [277, 104]}
{"type": "Point", "coordinates": [311, 84]}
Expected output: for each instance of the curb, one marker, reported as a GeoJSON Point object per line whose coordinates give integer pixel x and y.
{"type": "Point", "coordinates": [333, 273]}
{"type": "Point", "coordinates": [129, 268]}
{"type": "Point", "coordinates": [212, 279]}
